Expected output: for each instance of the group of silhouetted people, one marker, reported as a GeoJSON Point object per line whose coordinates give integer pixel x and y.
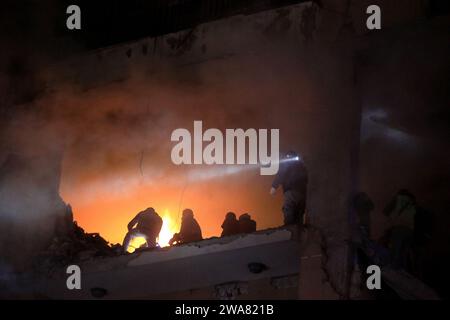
{"type": "Point", "coordinates": [291, 177]}
{"type": "Point", "coordinates": [147, 224]}
{"type": "Point", "coordinates": [231, 225]}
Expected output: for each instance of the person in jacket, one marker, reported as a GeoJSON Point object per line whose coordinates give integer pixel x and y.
{"type": "Point", "coordinates": [230, 225]}
{"type": "Point", "coordinates": [293, 178]}
{"type": "Point", "coordinates": [190, 230]}
{"type": "Point", "coordinates": [146, 224]}
{"type": "Point", "coordinates": [246, 224]}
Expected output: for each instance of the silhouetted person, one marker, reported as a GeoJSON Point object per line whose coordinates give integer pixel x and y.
{"type": "Point", "coordinates": [402, 213]}
{"type": "Point", "coordinates": [293, 178]}
{"type": "Point", "coordinates": [246, 224]}
{"type": "Point", "coordinates": [148, 225]}
{"type": "Point", "coordinates": [230, 225]}
{"type": "Point", "coordinates": [411, 232]}
{"type": "Point", "coordinates": [189, 231]}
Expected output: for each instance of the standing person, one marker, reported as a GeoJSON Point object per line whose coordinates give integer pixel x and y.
{"type": "Point", "coordinates": [189, 231]}
{"type": "Point", "coordinates": [293, 178]}
{"type": "Point", "coordinates": [230, 225]}
{"type": "Point", "coordinates": [146, 224]}
{"type": "Point", "coordinates": [401, 212]}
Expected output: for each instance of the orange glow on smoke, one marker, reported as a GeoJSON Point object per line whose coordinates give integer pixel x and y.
{"type": "Point", "coordinates": [107, 205]}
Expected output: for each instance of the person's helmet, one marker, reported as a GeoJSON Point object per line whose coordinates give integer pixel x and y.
{"type": "Point", "coordinates": [188, 213]}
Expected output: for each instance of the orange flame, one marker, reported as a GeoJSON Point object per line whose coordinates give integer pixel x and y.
{"type": "Point", "coordinates": [169, 227]}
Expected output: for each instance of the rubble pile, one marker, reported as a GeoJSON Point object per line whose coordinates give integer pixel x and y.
{"type": "Point", "coordinates": [71, 247]}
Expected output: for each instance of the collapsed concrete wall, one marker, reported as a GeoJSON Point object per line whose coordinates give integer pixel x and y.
{"type": "Point", "coordinates": [232, 267]}
{"type": "Point", "coordinates": [31, 209]}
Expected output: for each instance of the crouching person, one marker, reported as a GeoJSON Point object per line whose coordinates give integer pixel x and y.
{"type": "Point", "coordinates": [189, 231]}
{"type": "Point", "coordinates": [146, 224]}
{"type": "Point", "coordinates": [230, 225]}
{"type": "Point", "coordinates": [246, 224]}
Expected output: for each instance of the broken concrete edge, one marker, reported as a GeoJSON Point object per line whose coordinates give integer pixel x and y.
{"type": "Point", "coordinates": [227, 239]}
{"type": "Point", "coordinates": [314, 246]}
{"type": "Point", "coordinates": [141, 256]}
{"type": "Point", "coordinates": [274, 252]}
{"type": "Point", "coordinates": [213, 245]}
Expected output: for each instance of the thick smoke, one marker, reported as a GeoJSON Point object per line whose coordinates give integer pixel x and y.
{"type": "Point", "coordinates": [107, 148]}
{"type": "Point", "coordinates": [114, 138]}
{"type": "Point", "coordinates": [117, 137]}
{"type": "Point", "coordinates": [111, 142]}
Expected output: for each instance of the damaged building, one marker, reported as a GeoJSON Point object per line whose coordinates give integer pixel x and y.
{"type": "Point", "coordinates": [262, 265]}
{"type": "Point", "coordinates": [336, 90]}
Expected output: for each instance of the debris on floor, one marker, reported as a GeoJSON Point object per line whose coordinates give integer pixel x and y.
{"type": "Point", "coordinates": [72, 246]}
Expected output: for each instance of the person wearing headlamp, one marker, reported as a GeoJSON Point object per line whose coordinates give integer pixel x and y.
{"type": "Point", "coordinates": [293, 178]}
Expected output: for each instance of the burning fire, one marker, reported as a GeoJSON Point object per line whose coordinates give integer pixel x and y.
{"type": "Point", "coordinates": [169, 227]}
